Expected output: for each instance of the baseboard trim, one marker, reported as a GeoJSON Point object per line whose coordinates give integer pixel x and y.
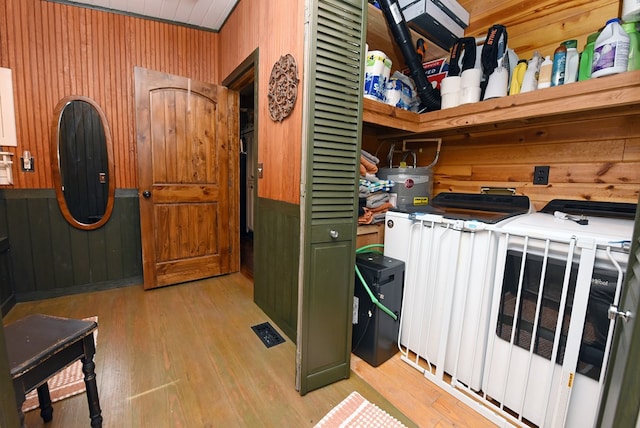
{"type": "Point", "coordinates": [79, 289]}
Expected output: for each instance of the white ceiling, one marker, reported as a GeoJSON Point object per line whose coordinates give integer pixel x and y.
{"type": "Point", "coordinates": [207, 14]}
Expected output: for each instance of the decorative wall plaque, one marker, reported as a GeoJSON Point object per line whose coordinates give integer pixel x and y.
{"type": "Point", "coordinates": [283, 87]}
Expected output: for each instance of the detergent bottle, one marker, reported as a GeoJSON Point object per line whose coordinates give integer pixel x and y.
{"type": "Point", "coordinates": [586, 57]}
{"type": "Point", "coordinates": [611, 51]}
{"type": "Point", "coordinates": [634, 45]}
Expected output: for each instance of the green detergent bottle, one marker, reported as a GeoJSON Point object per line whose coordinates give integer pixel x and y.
{"type": "Point", "coordinates": [586, 58]}
{"type": "Point", "coordinates": [631, 29]}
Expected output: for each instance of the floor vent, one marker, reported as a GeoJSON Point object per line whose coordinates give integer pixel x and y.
{"type": "Point", "coordinates": [269, 336]}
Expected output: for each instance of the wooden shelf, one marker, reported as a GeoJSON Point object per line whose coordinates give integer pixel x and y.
{"type": "Point", "coordinates": [611, 96]}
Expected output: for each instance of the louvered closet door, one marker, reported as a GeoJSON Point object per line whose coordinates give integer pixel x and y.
{"type": "Point", "coordinates": [332, 116]}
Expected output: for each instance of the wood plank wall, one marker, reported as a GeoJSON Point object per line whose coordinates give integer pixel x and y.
{"type": "Point", "coordinates": [597, 160]}
{"type": "Point", "coordinates": [275, 28]}
{"type": "Point", "coordinates": [540, 25]}
{"type": "Point", "coordinates": [58, 50]}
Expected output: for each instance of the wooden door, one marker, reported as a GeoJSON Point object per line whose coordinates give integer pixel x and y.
{"type": "Point", "coordinates": [333, 126]}
{"type": "Point", "coordinates": [187, 139]}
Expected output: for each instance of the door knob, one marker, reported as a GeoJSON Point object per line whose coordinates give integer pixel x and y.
{"type": "Point", "coordinates": [334, 234]}
{"type": "Point", "coordinates": [146, 194]}
{"type": "Point", "coordinates": [613, 313]}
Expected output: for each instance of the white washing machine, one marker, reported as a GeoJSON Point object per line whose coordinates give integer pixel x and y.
{"type": "Point", "coordinates": [557, 273]}
{"type": "Point", "coordinates": [449, 253]}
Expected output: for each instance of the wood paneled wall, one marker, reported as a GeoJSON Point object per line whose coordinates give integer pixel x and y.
{"type": "Point", "coordinates": [275, 28]}
{"type": "Point", "coordinates": [58, 50]}
{"type": "Point", "coordinates": [540, 25]}
{"type": "Point", "coordinates": [595, 160]}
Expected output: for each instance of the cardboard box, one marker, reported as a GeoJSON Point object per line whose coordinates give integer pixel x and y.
{"type": "Point", "coordinates": [450, 7]}
{"type": "Point", "coordinates": [455, 11]}
{"type": "Point", "coordinates": [433, 18]}
{"type": "Point", "coordinates": [435, 70]}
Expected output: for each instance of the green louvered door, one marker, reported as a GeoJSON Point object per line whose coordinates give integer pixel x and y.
{"type": "Point", "coordinates": [334, 37]}
{"type": "Point", "coordinates": [621, 395]}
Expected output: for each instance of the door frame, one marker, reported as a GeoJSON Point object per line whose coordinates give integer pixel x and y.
{"type": "Point", "coordinates": [238, 79]}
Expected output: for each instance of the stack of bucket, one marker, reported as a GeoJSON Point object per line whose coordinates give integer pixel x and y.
{"type": "Point", "coordinates": [463, 89]}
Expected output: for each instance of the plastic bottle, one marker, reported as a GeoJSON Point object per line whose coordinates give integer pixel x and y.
{"type": "Point", "coordinates": [559, 65]}
{"type": "Point", "coordinates": [634, 45]}
{"type": "Point", "coordinates": [518, 77]}
{"type": "Point", "coordinates": [530, 81]}
{"type": "Point", "coordinates": [571, 69]}
{"type": "Point", "coordinates": [611, 51]}
{"type": "Point", "coordinates": [586, 57]}
{"type": "Point", "coordinates": [544, 77]}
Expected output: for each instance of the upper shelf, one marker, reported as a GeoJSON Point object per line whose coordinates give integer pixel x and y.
{"type": "Point", "coordinates": [609, 96]}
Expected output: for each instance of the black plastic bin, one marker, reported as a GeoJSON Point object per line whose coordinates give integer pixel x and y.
{"type": "Point", "coordinates": [375, 333]}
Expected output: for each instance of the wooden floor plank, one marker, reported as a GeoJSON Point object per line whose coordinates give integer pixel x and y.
{"type": "Point", "coordinates": [185, 356]}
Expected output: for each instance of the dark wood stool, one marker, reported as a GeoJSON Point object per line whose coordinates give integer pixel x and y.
{"type": "Point", "coordinates": [39, 346]}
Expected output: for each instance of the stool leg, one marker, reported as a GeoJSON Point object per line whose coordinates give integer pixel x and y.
{"type": "Point", "coordinates": [44, 399]}
{"type": "Point", "coordinates": [95, 413]}
{"type": "Point", "coordinates": [20, 396]}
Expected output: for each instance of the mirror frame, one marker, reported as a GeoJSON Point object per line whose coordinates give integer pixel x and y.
{"type": "Point", "coordinates": [55, 163]}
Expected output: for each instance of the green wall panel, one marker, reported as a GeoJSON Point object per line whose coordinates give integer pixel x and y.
{"type": "Point", "coordinates": [51, 258]}
{"type": "Point", "coordinates": [277, 250]}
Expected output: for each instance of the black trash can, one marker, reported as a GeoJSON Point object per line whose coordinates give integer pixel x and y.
{"type": "Point", "coordinates": [375, 333]}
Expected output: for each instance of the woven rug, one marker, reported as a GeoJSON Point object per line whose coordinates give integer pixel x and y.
{"type": "Point", "coordinates": [64, 384]}
{"type": "Point", "coordinates": [356, 411]}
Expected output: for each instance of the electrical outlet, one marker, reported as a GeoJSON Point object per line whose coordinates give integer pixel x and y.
{"type": "Point", "coordinates": [541, 175]}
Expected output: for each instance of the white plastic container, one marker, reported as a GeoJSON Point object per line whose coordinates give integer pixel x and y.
{"type": "Point", "coordinates": [611, 50]}
{"type": "Point", "coordinates": [631, 10]}
{"type": "Point", "coordinates": [530, 81]}
{"type": "Point", "coordinates": [573, 58]}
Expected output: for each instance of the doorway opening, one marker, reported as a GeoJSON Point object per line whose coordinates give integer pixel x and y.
{"type": "Point", "coordinates": [247, 178]}
{"type": "Point", "coordinates": [244, 80]}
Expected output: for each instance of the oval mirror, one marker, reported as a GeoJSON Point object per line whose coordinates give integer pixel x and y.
{"type": "Point", "coordinates": [82, 162]}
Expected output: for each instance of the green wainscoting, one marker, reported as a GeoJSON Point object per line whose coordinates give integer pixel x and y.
{"type": "Point", "coordinates": [51, 258]}
{"type": "Point", "coordinates": [276, 240]}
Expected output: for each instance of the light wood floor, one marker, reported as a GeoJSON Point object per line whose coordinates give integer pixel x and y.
{"type": "Point", "coordinates": [185, 356]}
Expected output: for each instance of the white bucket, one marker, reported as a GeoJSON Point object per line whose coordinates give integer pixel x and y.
{"type": "Point", "coordinates": [376, 73]}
